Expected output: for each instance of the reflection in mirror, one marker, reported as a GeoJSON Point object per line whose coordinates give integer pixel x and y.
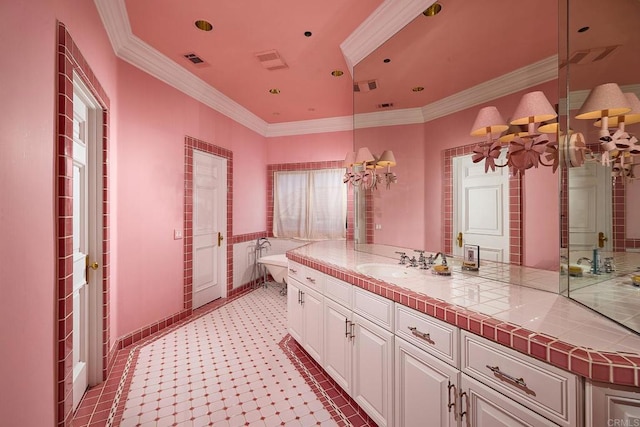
{"type": "Point", "coordinates": [603, 198]}
{"type": "Point", "coordinates": [423, 90]}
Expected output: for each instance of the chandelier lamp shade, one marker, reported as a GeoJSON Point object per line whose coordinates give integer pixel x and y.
{"type": "Point", "coordinates": [527, 146]}
{"type": "Point", "coordinates": [612, 111]}
{"type": "Point", "coordinates": [362, 169]}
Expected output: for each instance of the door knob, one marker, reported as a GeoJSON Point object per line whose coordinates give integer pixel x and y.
{"type": "Point", "coordinates": [601, 239]}
{"type": "Point", "coordinates": [93, 265]}
{"type": "Point", "coordinates": [459, 239]}
{"type": "Point", "coordinates": [220, 238]}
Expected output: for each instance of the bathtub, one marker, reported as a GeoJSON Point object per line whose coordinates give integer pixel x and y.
{"type": "Point", "coordinates": [276, 266]}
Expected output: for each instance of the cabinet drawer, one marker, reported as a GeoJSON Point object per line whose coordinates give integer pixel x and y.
{"type": "Point", "coordinates": [338, 291]}
{"type": "Point", "coordinates": [307, 276]}
{"type": "Point", "coordinates": [432, 335]}
{"type": "Point", "coordinates": [373, 307]}
{"type": "Point", "coordinates": [543, 388]}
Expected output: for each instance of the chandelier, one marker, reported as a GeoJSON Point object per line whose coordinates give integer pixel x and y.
{"type": "Point", "coordinates": [527, 146]}
{"type": "Point", "coordinates": [363, 166]}
{"type": "Point", "coordinates": [611, 108]}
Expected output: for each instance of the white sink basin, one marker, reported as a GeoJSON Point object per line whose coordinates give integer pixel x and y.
{"type": "Point", "coordinates": [387, 271]}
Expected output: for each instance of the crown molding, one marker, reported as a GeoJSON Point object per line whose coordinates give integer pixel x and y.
{"type": "Point", "coordinates": [389, 18]}
{"type": "Point", "coordinates": [304, 127]}
{"type": "Point", "coordinates": [405, 116]}
{"type": "Point", "coordinates": [133, 50]}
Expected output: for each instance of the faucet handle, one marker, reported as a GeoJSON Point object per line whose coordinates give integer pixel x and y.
{"type": "Point", "coordinates": [421, 252]}
{"type": "Point", "coordinates": [403, 257]}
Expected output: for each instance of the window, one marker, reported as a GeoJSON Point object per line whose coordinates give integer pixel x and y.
{"type": "Point", "coordinates": [310, 204]}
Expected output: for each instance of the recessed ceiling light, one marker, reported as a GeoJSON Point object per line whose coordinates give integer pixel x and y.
{"type": "Point", "coordinates": [337, 73]}
{"type": "Point", "coordinates": [274, 91]}
{"type": "Point", "coordinates": [432, 10]}
{"type": "Point", "coordinates": [583, 29]}
{"type": "Point", "coordinates": [307, 33]}
{"type": "Point", "coordinates": [203, 25]}
{"type": "Point", "coordinates": [386, 60]}
{"type": "Point", "coordinates": [417, 89]}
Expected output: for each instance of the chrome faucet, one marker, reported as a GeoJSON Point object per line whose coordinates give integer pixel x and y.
{"type": "Point", "coordinates": [403, 257]}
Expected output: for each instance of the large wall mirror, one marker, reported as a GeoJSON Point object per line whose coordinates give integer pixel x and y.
{"type": "Point", "coordinates": [418, 95]}
{"type": "Point", "coordinates": [603, 198]}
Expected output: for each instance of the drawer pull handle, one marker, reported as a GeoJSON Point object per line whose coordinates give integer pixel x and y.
{"type": "Point", "coordinates": [451, 404]}
{"type": "Point", "coordinates": [496, 370]}
{"type": "Point", "coordinates": [311, 279]}
{"type": "Point", "coordinates": [422, 335]}
{"type": "Point", "coordinates": [346, 328]}
{"type": "Point", "coordinates": [293, 270]}
{"type": "Point", "coordinates": [462, 405]}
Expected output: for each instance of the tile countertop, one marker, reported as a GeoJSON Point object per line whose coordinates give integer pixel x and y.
{"type": "Point", "coordinates": [539, 323]}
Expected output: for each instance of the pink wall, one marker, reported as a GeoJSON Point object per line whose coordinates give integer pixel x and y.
{"type": "Point", "coordinates": [154, 118]}
{"type": "Point", "coordinates": [305, 148]}
{"type": "Point", "coordinates": [27, 248]}
{"type": "Point", "coordinates": [400, 211]}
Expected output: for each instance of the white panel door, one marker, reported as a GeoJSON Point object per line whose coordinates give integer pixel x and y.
{"type": "Point", "coordinates": [589, 206]}
{"type": "Point", "coordinates": [80, 249]}
{"type": "Point", "coordinates": [481, 208]}
{"type": "Point", "coordinates": [87, 240]}
{"type": "Point", "coordinates": [209, 228]}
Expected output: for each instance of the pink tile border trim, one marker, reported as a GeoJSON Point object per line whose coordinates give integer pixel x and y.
{"type": "Point", "coordinates": [612, 367]}
{"type": "Point", "coordinates": [70, 59]}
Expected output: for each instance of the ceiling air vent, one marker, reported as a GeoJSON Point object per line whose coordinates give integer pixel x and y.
{"type": "Point", "coordinates": [588, 56]}
{"type": "Point", "coordinates": [271, 60]}
{"type": "Point", "coordinates": [385, 105]}
{"type": "Point", "coordinates": [195, 59]}
{"type": "Point", "coordinates": [365, 85]}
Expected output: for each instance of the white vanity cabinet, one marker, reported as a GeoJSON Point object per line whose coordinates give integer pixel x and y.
{"type": "Point", "coordinates": [305, 310]}
{"type": "Point", "coordinates": [481, 406]}
{"type": "Point", "coordinates": [611, 405]}
{"type": "Point", "coordinates": [358, 351]}
{"type": "Point", "coordinates": [372, 367]}
{"type": "Point", "coordinates": [425, 388]}
{"type": "Point", "coordinates": [544, 389]}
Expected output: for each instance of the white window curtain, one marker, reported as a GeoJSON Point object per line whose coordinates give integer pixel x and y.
{"type": "Point", "coordinates": [310, 205]}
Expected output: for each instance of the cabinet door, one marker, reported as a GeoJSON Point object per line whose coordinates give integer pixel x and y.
{"type": "Point", "coordinates": [612, 405]}
{"type": "Point", "coordinates": [425, 388]}
{"type": "Point", "coordinates": [372, 370]}
{"type": "Point", "coordinates": [485, 407]}
{"type": "Point", "coordinates": [294, 311]}
{"type": "Point", "coordinates": [337, 343]}
{"type": "Point", "coordinates": [313, 325]}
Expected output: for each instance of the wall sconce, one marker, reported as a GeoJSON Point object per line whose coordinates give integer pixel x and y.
{"type": "Point", "coordinates": [611, 108]}
{"type": "Point", "coordinates": [362, 169]}
{"type": "Point", "coordinates": [526, 145]}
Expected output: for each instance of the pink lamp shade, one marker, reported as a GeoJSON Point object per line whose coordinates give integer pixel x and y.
{"type": "Point", "coordinates": [534, 107]}
{"type": "Point", "coordinates": [387, 159]}
{"type": "Point", "coordinates": [364, 155]}
{"type": "Point", "coordinates": [606, 100]}
{"type": "Point", "coordinates": [350, 159]}
{"type": "Point", "coordinates": [488, 121]}
{"type": "Point", "coordinates": [629, 118]}
{"type": "Point", "coordinates": [513, 132]}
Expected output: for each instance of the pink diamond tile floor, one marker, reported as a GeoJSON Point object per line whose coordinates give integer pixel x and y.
{"type": "Point", "coordinates": [232, 365]}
